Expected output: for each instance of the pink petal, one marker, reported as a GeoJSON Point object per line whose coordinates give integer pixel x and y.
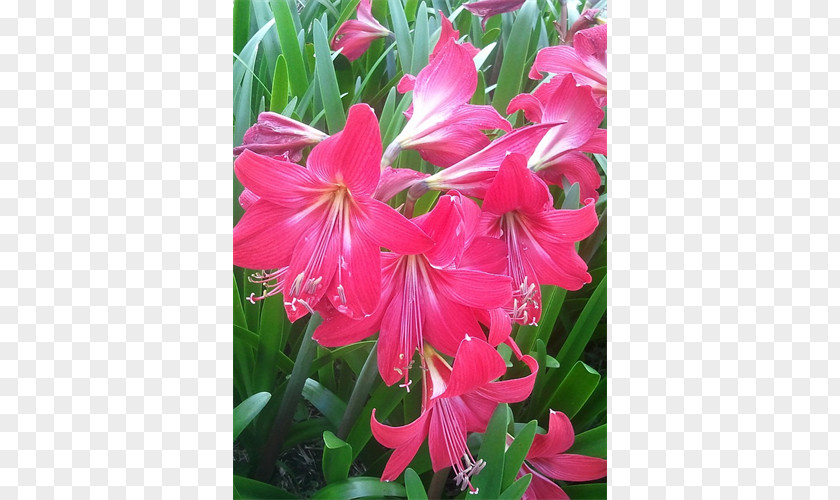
{"type": "Point", "coordinates": [500, 326]}
{"type": "Point", "coordinates": [515, 187]}
{"type": "Point", "coordinates": [406, 83]}
{"type": "Point", "coordinates": [448, 225]}
{"type": "Point", "coordinates": [365, 13]}
{"type": "Point", "coordinates": [447, 437]}
{"type": "Point", "coordinates": [575, 167]}
{"type": "Point", "coordinates": [392, 355]}
{"type": "Point", "coordinates": [530, 105]}
{"type": "Point", "coordinates": [394, 180]}
{"type": "Point", "coordinates": [483, 116]}
{"type": "Point", "coordinates": [277, 181]}
{"type": "Point", "coordinates": [355, 288]}
{"type": "Point", "coordinates": [573, 105]}
{"type": "Point", "coordinates": [388, 228]}
{"type": "Point", "coordinates": [266, 235]}
{"type": "Point", "coordinates": [597, 143]}
{"type": "Point", "coordinates": [557, 263]}
{"type": "Point", "coordinates": [568, 225]}
{"type": "Point", "coordinates": [446, 83]}
{"type": "Point", "coordinates": [591, 47]}
{"type": "Point", "coordinates": [340, 330]}
{"type": "Point", "coordinates": [559, 438]}
{"type": "Point", "coordinates": [562, 60]}
{"type": "Point", "coordinates": [475, 288]}
{"type": "Point", "coordinates": [406, 439]}
{"type": "Point", "coordinates": [448, 32]}
{"type": "Point", "coordinates": [351, 156]}
{"type": "Point", "coordinates": [571, 467]}
{"type": "Point", "coordinates": [353, 39]}
{"type": "Point", "coordinates": [275, 135]}
{"type": "Point", "coordinates": [247, 198]}
{"type": "Point", "coordinates": [448, 145]}
{"type": "Point", "coordinates": [513, 390]}
{"type": "Point", "coordinates": [485, 254]}
{"type": "Point", "coordinates": [447, 322]}
{"type": "Point", "coordinates": [476, 364]}
{"type": "Point", "coordinates": [311, 270]}
{"type": "Point", "coordinates": [480, 410]}
{"type": "Point", "coordinates": [540, 488]}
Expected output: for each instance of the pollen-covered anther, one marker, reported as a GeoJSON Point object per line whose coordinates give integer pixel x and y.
{"type": "Point", "coordinates": [296, 284]}
{"type": "Point", "coordinates": [312, 284]}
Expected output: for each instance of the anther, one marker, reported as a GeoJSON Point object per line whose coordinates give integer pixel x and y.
{"type": "Point", "coordinates": [295, 288]}
{"type": "Point", "coordinates": [341, 296]}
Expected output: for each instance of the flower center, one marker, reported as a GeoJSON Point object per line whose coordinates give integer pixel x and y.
{"type": "Point", "coordinates": [525, 290]}
{"type": "Point", "coordinates": [463, 463]}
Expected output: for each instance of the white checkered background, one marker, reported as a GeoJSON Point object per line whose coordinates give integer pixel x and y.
{"type": "Point", "coordinates": [724, 243]}
{"type": "Point", "coordinates": [115, 249]}
{"type": "Point", "coordinates": [115, 186]}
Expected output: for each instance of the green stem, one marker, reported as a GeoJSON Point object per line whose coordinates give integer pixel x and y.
{"type": "Point", "coordinates": [363, 388]}
{"type": "Point", "coordinates": [291, 397]}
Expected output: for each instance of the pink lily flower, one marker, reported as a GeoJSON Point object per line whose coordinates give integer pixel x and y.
{"type": "Point", "coordinates": [540, 239]}
{"type": "Point", "coordinates": [547, 457]}
{"type": "Point", "coordinates": [276, 135]}
{"type": "Point", "coordinates": [442, 126]}
{"type": "Point", "coordinates": [587, 61]}
{"type": "Point", "coordinates": [355, 35]}
{"type": "Point", "coordinates": [486, 9]}
{"type": "Point", "coordinates": [427, 296]}
{"type": "Point", "coordinates": [560, 153]}
{"type": "Point", "coordinates": [457, 399]}
{"type": "Point", "coordinates": [322, 221]}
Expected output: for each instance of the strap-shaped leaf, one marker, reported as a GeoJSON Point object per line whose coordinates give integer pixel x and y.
{"type": "Point", "coordinates": [360, 487]}
{"type": "Point", "coordinates": [327, 81]}
{"type": "Point", "coordinates": [247, 411]}
{"type": "Point", "coordinates": [338, 456]}
{"type": "Point", "coordinates": [414, 486]}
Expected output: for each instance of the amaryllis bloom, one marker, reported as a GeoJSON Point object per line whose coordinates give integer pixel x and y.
{"type": "Point", "coordinates": [442, 126]}
{"type": "Point", "coordinates": [356, 35]}
{"type": "Point", "coordinates": [457, 399]}
{"type": "Point", "coordinates": [587, 61]}
{"type": "Point", "coordinates": [547, 457]}
{"type": "Point", "coordinates": [277, 135]}
{"type": "Point", "coordinates": [429, 296]}
{"type": "Point", "coordinates": [540, 239]}
{"type": "Point", "coordinates": [473, 175]}
{"type": "Point", "coordinates": [560, 153]}
{"type": "Point", "coordinates": [485, 9]}
{"type": "Point", "coordinates": [322, 221]}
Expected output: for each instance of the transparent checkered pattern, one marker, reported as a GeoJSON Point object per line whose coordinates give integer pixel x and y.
{"type": "Point", "coordinates": [115, 249]}
{"type": "Point", "coordinates": [724, 241]}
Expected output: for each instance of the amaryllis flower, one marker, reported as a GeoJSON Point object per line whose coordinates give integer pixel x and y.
{"type": "Point", "coordinates": [322, 222]}
{"type": "Point", "coordinates": [277, 135]}
{"type": "Point", "coordinates": [356, 35]}
{"type": "Point", "coordinates": [443, 127]}
{"type": "Point", "coordinates": [587, 61]}
{"type": "Point", "coordinates": [486, 9]}
{"type": "Point", "coordinates": [427, 296]}
{"type": "Point", "coordinates": [560, 153]}
{"type": "Point", "coordinates": [547, 457]}
{"type": "Point", "coordinates": [456, 400]}
{"type": "Point", "coordinates": [540, 239]}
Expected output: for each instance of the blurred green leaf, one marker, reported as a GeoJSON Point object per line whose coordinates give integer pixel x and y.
{"type": "Point", "coordinates": [251, 489]}
{"type": "Point", "coordinates": [280, 87]}
{"type": "Point", "coordinates": [241, 24]}
{"type": "Point", "coordinates": [405, 47]}
{"type": "Point", "coordinates": [287, 31]}
{"type": "Point", "coordinates": [414, 486]}
{"type": "Point", "coordinates": [595, 491]}
{"type": "Point", "coordinates": [517, 489]}
{"type": "Point", "coordinates": [360, 487]}
{"type": "Point", "coordinates": [325, 74]}
{"type": "Point", "coordinates": [592, 443]}
{"type": "Point", "coordinates": [338, 456]}
{"type": "Point", "coordinates": [515, 56]}
{"type": "Point", "coordinates": [421, 40]}
{"type": "Point", "coordinates": [247, 411]}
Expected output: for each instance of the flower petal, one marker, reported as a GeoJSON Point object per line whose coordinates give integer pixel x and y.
{"type": "Point", "coordinates": [274, 135]}
{"type": "Point", "coordinates": [513, 390]}
{"type": "Point", "coordinates": [500, 326]}
{"type": "Point", "coordinates": [355, 288]}
{"type": "Point", "coordinates": [449, 225]}
{"type": "Point", "coordinates": [573, 105]}
{"type": "Point", "coordinates": [354, 38]}
{"type": "Point", "coordinates": [559, 438]}
{"type": "Point", "coordinates": [476, 364]}
{"type": "Point", "coordinates": [575, 167]}
{"type": "Point", "coordinates": [247, 198]}
{"type": "Point", "coordinates": [277, 181]}
{"type": "Point", "coordinates": [568, 225]}
{"type": "Point", "coordinates": [489, 8]}
{"type": "Point", "coordinates": [557, 263]}
{"type": "Point", "coordinates": [591, 48]}
{"type": "Point", "coordinates": [446, 323]}
{"type": "Point", "coordinates": [351, 156]}
{"type": "Point", "coordinates": [312, 267]}
{"type": "Point", "coordinates": [388, 228]}
{"type": "Point", "coordinates": [406, 83]}
{"type": "Point", "coordinates": [515, 187]}
{"type": "Point", "coordinates": [485, 254]}
{"type": "Point", "coordinates": [447, 146]}
{"type": "Point", "coordinates": [529, 104]}
{"type": "Point", "coordinates": [445, 84]}
{"type": "Point", "coordinates": [562, 60]}
{"type": "Point", "coordinates": [398, 339]}
{"type": "Point", "coordinates": [474, 288]}
{"type": "Point", "coordinates": [341, 330]}
{"type": "Point", "coordinates": [266, 235]}
{"type": "Point", "coordinates": [597, 143]}
{"type": "Point", "coordinates": [406, 440]}
{"type": "Point", "coordinates": [447, 436]}
{"type": "Point", "coordinates": [541, 487]}
{"type": "Point", "coordinates": [567, 467]}
{"type": "Point", "coordinates": [394, 180]}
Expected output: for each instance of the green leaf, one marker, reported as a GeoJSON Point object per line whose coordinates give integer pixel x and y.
{"type": "Point", "coordinates": [582, 331]}
{"type": "Point", "coordinates": [273, 331]}
{"type": "Point", "coordinates": [414, 486]}
{"type": "Point", "coordinates": [325, 74]}
{"type": "Point", "coordinates": [515, 56]}
{"type": "Point", "coordinates": [250, 339]}
{"type": "Point", "coordinates": [280, 87]}
{"type": "Point", "coordinates": [489, 481]}
{"type": "Point", "coordinates": [325, 400]}
{"type": "Point", "coordinates": [574, 390]}
{"type": "Point", "coordinates": [594, 491]}
{"type": "Point", "coordinates": [338, 456]}
{"type": "Point", "coordinates": [243, 68]}
{"type": "Point", "coordinates": [515, 454]}
{"type": "Point", "coordinates": [405, 48]}
{"type": "Point", "coordinates": [592, 443]}
{"type": "Point", "coordinates": [241, 24]}
{"type": "Point", "coordinates": [251, 489]}
{"type": "Point", "coordinates": [596, 405]}
{"type": "Point", "coordinates": [238, 312]}
{"type": "Point", "coordinates": [517, 489]}
{"type": "Point", "coordinates": [421, 40]}
{"type": "Point", "coordinates": [346, 12]}
{"type": "Point", "coordinates": [247, 411]}
{"type": "Point", "coordinates": [572, 200]}
{"type": "Point", "coordinates": [360, 487]}
{"type": "Point", "coordinates": [385, 399]}
{"type": "Point", "coordinates": [287, 31]}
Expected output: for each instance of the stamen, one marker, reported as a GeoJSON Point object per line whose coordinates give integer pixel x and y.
{"type": "Point", "coordinates": [407, 385]}
{"type": "Point", "coordinates": [341, 296]}
{"type": "Point", "coordinates": [295, 288]}
{"type": "Point", "coordinates": [312, 284]}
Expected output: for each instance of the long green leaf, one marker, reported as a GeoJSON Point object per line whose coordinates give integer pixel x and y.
{"type": "Point", "coordinates": [413, 486]}
{"type": "Point", "coordinates": [517, 489]}
{"type": "Point", "coordinates": [360, 487]}
{"type": "Point", "coordinates": [256, 490]}
{"type": "Point", "coordinates": [591, 443]}
{"type": "Point", "coordinates": [325, 74]}
{"type": "Point", "coordinates": [241, 24]}
{"type": "Point", "coordinates": [585, 325]}
{"type": "Point", "coordinates": [287, 31]}
{"type": "Point", "coordinates": [243, 67]}
{"type": "Point", "coordinates": [595, 491]}
{"type": "Point", "coordinates": [515, 454]}
{"type": "Point", "coordinates": [338, 456]}
{"type": "Point", "coordinates": [280, 87]}
{"type": "Point", "coordinates": [405, 47]}
{"type": "Point", "coordinates": [421, 40]}
{"type": "Point", "coordinates": [325, 400]}
{"type": "Point", "coordinates": [489, 482]}
{"type": "Point", "coordinates": [515, 56]}
{"type": "Point", "coordinates": [247, 411]}
{"type": "Point", "coordinates": [570, 396]}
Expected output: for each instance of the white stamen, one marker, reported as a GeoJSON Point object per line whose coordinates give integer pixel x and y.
{"type": "Point", "coordinates": [295, 288]}
{"type": "Point", "coordinates": [341, 296]}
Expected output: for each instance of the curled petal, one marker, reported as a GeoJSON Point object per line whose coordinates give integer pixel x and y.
{"type": "Point", "coordinates": [476, 364]}
{"type": "Point", "coordinates": [597, 143]}
{"type": "Point", "coordinates": [591, 47]}
{"type": "Point", "coordinates": [406, 440]}
{"type": "Point", "coordinates": [515, 187]}
{"type": "Point", "coordinates": [448, 32]}
{"type": "Point", "coordinates": [500, 327]}
{"type": "Point", "coordinates": [559, 438]}
{"type": "Point", "coordinates": [247, 198]}
{"type": "Point", "coordinates": [541, 488]}
{"type": "Point", "coordinates": [513, 390]}
{"type": "Point", "coordinates": [406, 83]}
{"type": "Point", "coordinates": [571, 467]}
{"type": "Point", "coordinates": [576, 167]}
{"type": "Point", "coordinates": [529, 104]}
{"type": "Point", "coordinates": [489, 8]}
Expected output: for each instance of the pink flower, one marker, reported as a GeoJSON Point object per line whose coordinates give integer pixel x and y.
{"type": "Point", "coordinates": [322, 222]}
{"type": "Point", "coordinates": [442, 126]}
{"type": "Point", "coordinates": [430, 296]}
{"type": "Point", "coordinates": [355, 36]}
{"type": "Point", "coordinates": [489, 8]}
{"type": "Point", "coordinates": [456, 400]}
{"type": "Point", "coordinates": [587, 61]}
{"type": "Point", "coordinates": [540, 239]}
{"type": "Point", "coordinates": [560, 153]}
{"type": "Point", "coordinates": [448, 32]}
{"type": "Point", "coordinates": [276, 135]}
{"type": "Point", "coordinates": [547, 455]}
